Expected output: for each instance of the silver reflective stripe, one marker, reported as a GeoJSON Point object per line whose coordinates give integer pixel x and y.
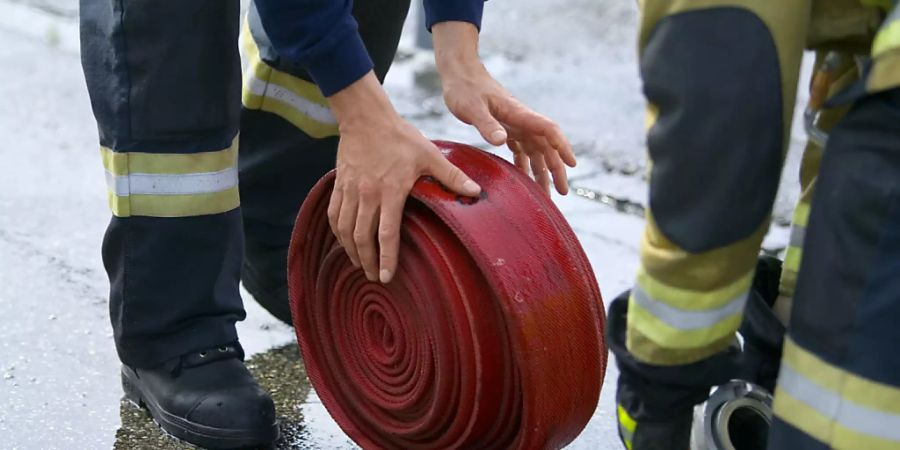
{"type": "Point", "coordinates": [798, 235]}
{"type": "Point", "coordinates": [688, 320]}
{"type": "Point", "coordinates": [172, 184]}
{"type": "Point", "coordinates": [844, 412]}
{"type": "Point", "coordinates": [282, 94]}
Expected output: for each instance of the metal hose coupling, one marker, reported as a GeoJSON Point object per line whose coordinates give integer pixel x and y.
{"type": "Point", "coordinates": [737, 416]}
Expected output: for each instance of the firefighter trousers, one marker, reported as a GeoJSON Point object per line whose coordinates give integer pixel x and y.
{"type": "Point", "coordinates": [720, 78]}
{"type": "Point", "coordinates": [165, 81]}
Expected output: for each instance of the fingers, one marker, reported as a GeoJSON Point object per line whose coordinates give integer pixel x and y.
{"type": "Point", "coordinates": [389, 236]}
{"type": "Point", "coordinates": [346, 224]}
{"type": "Point", "coordinates": [489, 127]}
{"type": "Point", "coordinates": [451, 176]}
{"type": "Point", "coordinates": [520, 158]}
{"type": "Point", "coordinates": [364, 234]}
{"type": "Point", "coordinates": [526, 122]}
{"type": "Point", "coordinates": [541, 176]}
{"type": "Point", "coordinates": [334, 210]}
{"type": "Point", "coordinates": [558, 169]}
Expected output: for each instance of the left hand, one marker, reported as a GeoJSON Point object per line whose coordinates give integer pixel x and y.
{"type": "Point", "coordinates": [476, 98]}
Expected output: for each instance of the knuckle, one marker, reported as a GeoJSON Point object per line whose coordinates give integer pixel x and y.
{"type": "Point", "coordinates": [386, 233]}
{"type": "Point", "coordinates": [367, 189]}
{"type": "Point", "coordinates": [360, 238]}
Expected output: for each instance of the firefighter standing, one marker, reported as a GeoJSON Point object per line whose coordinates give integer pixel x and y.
{"type": "Point", "coordinates": [165, 85]}
{"type": "Point", "coordinates": [720, 78]}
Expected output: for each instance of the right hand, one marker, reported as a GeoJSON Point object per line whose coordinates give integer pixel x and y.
{"type": "Point", "coordinates": [380, 157]}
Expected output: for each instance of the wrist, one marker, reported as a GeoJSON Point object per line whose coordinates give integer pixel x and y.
{"type": "Point", "coordinates": [362, 103]}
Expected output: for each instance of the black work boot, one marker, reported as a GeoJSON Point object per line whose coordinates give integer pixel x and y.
{"type": "Point", "coordinates": [206, 398]}
{"type": "Point", "coordinates": [264, 274]}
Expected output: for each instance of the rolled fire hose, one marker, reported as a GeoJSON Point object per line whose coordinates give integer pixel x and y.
{"type": "Point", "coordinates": [490, 335]}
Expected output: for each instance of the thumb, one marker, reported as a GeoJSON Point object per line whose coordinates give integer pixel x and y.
{"type": "Point", "coordinates": [451, 176]}
{"type": "Point", "coordinates": [489, 127]}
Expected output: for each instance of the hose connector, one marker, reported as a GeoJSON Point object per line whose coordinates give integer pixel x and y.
{"type": "Point", "coordinates": [737, 416]}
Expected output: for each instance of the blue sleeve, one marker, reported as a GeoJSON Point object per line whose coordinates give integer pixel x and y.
{"type": "Point", "coordinates": [319, 35]}
{"type": "Point", "coordinates": [437, 11]}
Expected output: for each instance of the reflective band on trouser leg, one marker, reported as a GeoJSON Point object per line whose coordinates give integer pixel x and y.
{"type": "Point", "coordinates": [171, 184]}
{"type": "Point", "coordinates": [685, 307]}
{"type": "Point", "coordinates": [489, 336]}
{"type": "Point", "coordinates": [836, 407]}
{"type": "Point", "coordinates": [296, 100]}
{"type": "Point", "coordinates": [885, 73]}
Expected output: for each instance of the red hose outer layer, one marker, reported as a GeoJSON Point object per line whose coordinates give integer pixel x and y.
{"type": "Point", "coordinates": [490, 335]}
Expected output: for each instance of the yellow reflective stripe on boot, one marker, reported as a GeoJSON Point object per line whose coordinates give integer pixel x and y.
{"type": "Point", "coordinates": [296, 100]}
{"type": "Point", "coordinates": [835, 406]}
{"type": "Point", "coordinates": [626, 426]}
{"type": "Point", "coordinates": [171, 185]}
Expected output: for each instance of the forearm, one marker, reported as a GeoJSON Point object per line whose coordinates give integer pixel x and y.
{"type": "Point", "coordinates": [456, 48]}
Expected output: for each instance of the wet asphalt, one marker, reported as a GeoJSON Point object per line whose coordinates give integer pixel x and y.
{"type": "Point", "coordinates": [573, 60]}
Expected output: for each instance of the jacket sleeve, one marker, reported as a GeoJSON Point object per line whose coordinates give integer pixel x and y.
{"type": "Point", "coordinates": [437, 11]}
{"type": "Point", "coordinates": [319, 35]}
{"type": "Point", "coordinates": [322, 35]}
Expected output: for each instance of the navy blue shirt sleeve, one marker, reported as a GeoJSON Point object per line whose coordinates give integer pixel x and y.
{"type": "Point", "coordinates": [437, 11]}
{"type": "Point", "coordinates": [322, 35]}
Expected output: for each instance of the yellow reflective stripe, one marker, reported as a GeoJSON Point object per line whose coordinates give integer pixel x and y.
{"type": "Point", "coordinates": [792, 258]}
{"type": "Point", "coordinates": [171, 184]}
{"type": "Point", "coordinates": [693, 300]}
{"type": "Point", "coordinates": [801, 416]}
{"type": "Point", "coordinates": [296, 100]}
{"type": "Point", "coordinates": [865, 392]}
{"type": "Point", "coordinates": [665, 335]}
{"type": "Point", "coordinates": [625, 419]}
{"type": "Point", "coordinates": [885, 73]}
{"type": "Point", "coordinates": [835, 406]}
{"type": "Point", "coordinates": [642, 348]}
{"type": "Point", "coordinates": [302, 121]}
{"type": "Point", "coordinates": [626, 426]}
{"type": "Point", "coordinates": [801, 214]}
{"type": "Point", "coordinates": [174, 205]}
{"type": "Point", "coordinates": [124, 163]}
{"type": "Point", "coordinates": [822, 429]}
{"type": "Point", "coordinates": [887, 39]}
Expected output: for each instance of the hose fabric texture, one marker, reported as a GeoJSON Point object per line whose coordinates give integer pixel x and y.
{"type": "Point", "coordinates": [490, 335]}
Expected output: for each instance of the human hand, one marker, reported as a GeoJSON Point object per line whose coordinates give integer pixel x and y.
{"type": "Point", "coordinates": [380, 157]}
{"type": "Point", "coordinates": [476, 98]}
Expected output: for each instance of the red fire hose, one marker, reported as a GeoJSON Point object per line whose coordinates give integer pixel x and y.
{"type": "Point", "coordinates": [490, 335]}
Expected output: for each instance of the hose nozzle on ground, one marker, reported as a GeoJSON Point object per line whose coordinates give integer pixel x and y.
{"type": "Point", "coordinates": [737, 416]}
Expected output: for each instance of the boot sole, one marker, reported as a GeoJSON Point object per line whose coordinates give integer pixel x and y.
{"type": "Point", "coordinates": [191, 432]}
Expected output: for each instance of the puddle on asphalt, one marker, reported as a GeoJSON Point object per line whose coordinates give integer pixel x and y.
{"type": "Point", "coordinates": [280, 371]}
